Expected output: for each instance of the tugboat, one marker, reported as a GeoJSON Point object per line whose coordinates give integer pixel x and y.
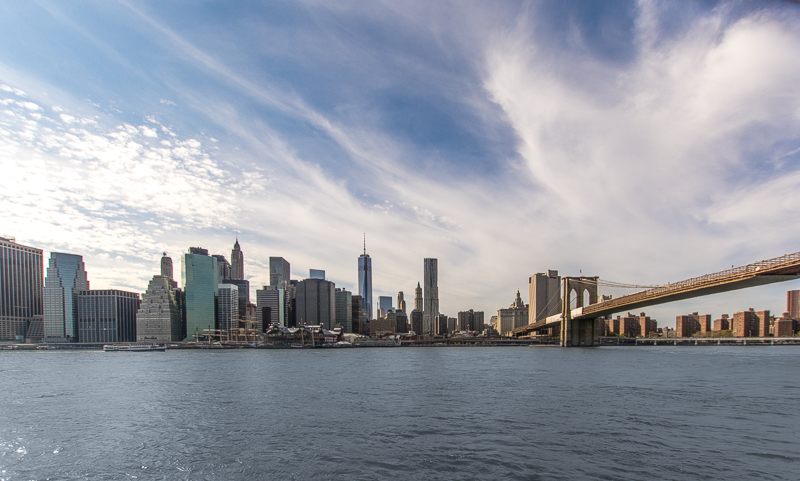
{"type": "Point", "coordinates": [134, 347]}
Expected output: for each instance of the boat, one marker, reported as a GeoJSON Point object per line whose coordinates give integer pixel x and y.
{"type": "Point", "coordinates": [134, 347]}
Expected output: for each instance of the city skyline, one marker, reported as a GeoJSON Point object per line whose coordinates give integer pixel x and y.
{"type": "Point", "coordinates": [507, 141]}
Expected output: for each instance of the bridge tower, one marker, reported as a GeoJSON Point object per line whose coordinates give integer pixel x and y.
{"type": "Point", "coordinates": [579, 332]}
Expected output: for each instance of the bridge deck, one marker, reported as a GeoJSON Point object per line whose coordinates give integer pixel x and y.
{"type": "Point", "coordinates": [778, 269]}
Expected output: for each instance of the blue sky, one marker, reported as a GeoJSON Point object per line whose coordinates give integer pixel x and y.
{"type": "Point", "coordinates": [643, 142]}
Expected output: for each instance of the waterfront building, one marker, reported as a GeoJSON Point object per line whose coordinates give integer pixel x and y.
{"type": "Point", "coordinates": [244, 294]}
{"type": "Point", "coordinates": [228, 309]}
{"type": "Point", "coordinates": [722, 324]}
{"type": "Point", "coordinates": [470, 320]}
{"type": "Point", "coordinates": [21, 296]}
{"type": "Point", "coordinates": [279, 271]}
{"type": "Point", "coordinates": [365, 283]}
{"type": "Point", "coordinates": [66, 276]}
{"type": "Point", "coordinates": [687, 325]}
{"type": "Point", "coordinates": [452, 325]}
{"type": "Point", "coordinates": [357, 320]}
{"type": "Point", "coordinates": [271, 307]}
{"type": "Point", "coordinates": [316, 274]}
{"type": "Point", "coordinates": [418, 298]}
{"type": "Point", "coordinates": [383, 326]}
{"type": "Point", "coordinates": [416, 321]}
{"type": "Point", "coordinates": [648, 327]}
{"type": "Point", "coordinates": [629, 325]}
{"type": "Point", "coordinates": [763, 323]}
{"type": "Point", "coordinates": [545, 295]}
{"type": "Point", "coordinates": [237, 262]}
{"type": "Point", "coordinates": [107, 315]}
{"type": "Point", "coordinates": [441, 324]}
{"type": "Point", "coordinates": [430, 306]}
{"type": "Point", "coordinates": [515, 316]}
{"type": "Point", "coordinates": [159, 318]}
{"type": "Point", "coordinates": [401, 303]}
{"type": "Point", "coordinates": [751, 323]}
{"type": "Point", "coordinates": [401, 319]}
{"type": "Point", "coordinates": [199, 273]}
{"type": "Point", "coordinates": [316, 302]}
{"type": "Point", "coordinates": [784, 326]}
{"type": "Point", "coordinates": [344, 310]}
{"type": "Point", "coordinates": [793, 304]}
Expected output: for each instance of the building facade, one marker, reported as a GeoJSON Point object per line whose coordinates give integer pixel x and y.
{"type": "Point", "coordinates": [316, 303]}
{"type": "Point", "coordinates": [344, 310]}
{"type": "Point", "coordinates": [401, 302]}
{"type": "Point", "coordinates": [357, 322]}
{"type": "Point", "coordinates": [279, 271]}
{"type": "Point", "coordinates": [66, 276]}
{"type": "Point", "coordinates": [107, 315]}
{"type": "Point", "coordinates": [418, 302]}
{"type": "Point", "coordinates": [199, 274]}
{"type": "Point", "coordinates": [228, 316]}
{"type": "Point", "coordinates": [159, 318]}
{"type": "Point", "coordinates": [415, 321]}
{"type": "Point", "coordinates": [430, 287]}
{"type": "Point", "coordinates": [515, 316]}
{"type": "Point", "coordinates": [237, 262]}
{"type": "Point", "coordinates": [21, 296]}
{"type": "Point", "coordinates": [271, 307]}
{"type": "Point", "coordinates": [365, 284]}
{"type": "Point", "coordinates": [545, 295]}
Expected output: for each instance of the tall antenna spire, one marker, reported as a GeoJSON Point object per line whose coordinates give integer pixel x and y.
{"type": "Point", "coordinates": [365, 243]}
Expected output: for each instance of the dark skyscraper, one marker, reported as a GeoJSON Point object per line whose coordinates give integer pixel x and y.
{"type": "Point", "coordinates": [237, 262]}
{"type": "Point", "coordinates": [279, 271]}
{"type": "Point", "coordinates": [430, 309]}
{"type": "Point", "coordinates": [316, 303]}
{"type": "Point", "coordinates": [20, 288]}
{"type": "Point", "coordinates": [107, 315]}
{"type": "Point", "coordinates": [365, 283]}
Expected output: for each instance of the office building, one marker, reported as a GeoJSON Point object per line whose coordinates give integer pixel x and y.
{"type": "Point", "coordinates": [316, 274]}
{"type": "Point", "coordinates": [357, 322]}
{"type": "Point", "coordinates": [272, 306]}
{"type": "Point", "coordinates": [430, 286]}
{"type": "Point", "coordinates": [401, 303]}
{"type": "Point", "coordinates": [279, 271]}
{"type": "Point", "coordinates": [199, 273]}
{"type": "Point", "coordinates": [344, 310]}
{"type": "Point", "coordinates": [159, 318]}
{"type": "Point", "coordinates": [66, 276]}
{"type": "Point", "coordinates": [545, 295]}
{"type": "Point", "coordinates": [470, 321]}
{"type": "Point", "coordinates": [223, 268]}
{"type": "Point", "coordinates": [441, 325]}
{"type": "Point", "coordinates": [793, 304]}
{"type": "Point", "coordinates": [416, 321]}
{"type": "Point", "coordinates": [384, 305]}
{"type": "Point", "coordinates": [401, 319]}
{"type": "Point", "coordinates": [21, 296]}
{"type": "Point", "coordinates": [107, 315]}
{"type": "Point", "coordinates": [316, 303]}
{"type": "Point", "coordinates": [228, 316]}
{"type": "Point", "coordinates": [418, 298]}
{"type": "Point", "coordinates": [365, 283]}
{"type": "Point", "coordinates": [237, 262]}
{"type": "Point", "coordinates": [166, 267]}
{"type": "Point", "coordinates": [515, 316]}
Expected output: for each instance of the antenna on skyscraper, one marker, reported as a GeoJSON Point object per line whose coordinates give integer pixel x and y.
{"type": "Point", "coordinates": [365, 243]}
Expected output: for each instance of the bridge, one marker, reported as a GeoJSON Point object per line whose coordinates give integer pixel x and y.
{"type": "Point", "coordinates": [583, 325]}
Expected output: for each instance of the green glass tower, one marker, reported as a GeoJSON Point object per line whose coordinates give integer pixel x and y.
{"type": "Point", "coordinates": [199, 275]}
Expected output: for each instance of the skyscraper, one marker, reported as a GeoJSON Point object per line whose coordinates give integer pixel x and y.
{"type": "Point", "coordinates": [344, 310]}
{"type": "Point", "coordinates": [199, 273]}
{"type": "Point", "coordinates": [159, 317]}
{"type": "Point", "coordinates": [316, 302]}
{"type": "Point", "coordinates": [107, 315]}
{"type": "Point", "coordinates": [430, 306]}
{"type": "Point", "coordinates": [365, 283]}
{"type": "Point", "coordinates": [545, 295]}
{"type": "Point", "coordinates": [316, 273]}
{"type": "Point", "coordinates": [279, 271]}
{"type": "Point", "coordinates": [66, 276]}
{"type": "Point", "coordinates": [418, 298]}
{"type": "Point", "coordinates": [223, 268]}
{"type": "Point", "coordinates": [384, 305]}
{"type": "Point", "coordinates": [20, 288]}
{"type": "Point", "coordinates": [272, 304]}
{"type": "Point", "coordinates": [237, 262]}
{"type": "Point", "coordinates": [401, 303]}
{"type": "Point", "coordinates": [166, 267]}
{"type": "Point", "coordinates": [228, 309]}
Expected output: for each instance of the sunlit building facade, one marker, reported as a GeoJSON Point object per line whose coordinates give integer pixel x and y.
{"type": "Point", "coordinates": [66, 276]}
{"type": "Point", "coordinates": [21, 294]}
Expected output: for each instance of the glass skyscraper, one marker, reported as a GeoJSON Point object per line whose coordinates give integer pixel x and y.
{"type": "Point", "coordinates": [430, 305]}
{"type": "Point", "coordinates": [199, 274]}
{"type": "Point", "coordinates": [20, 288]}
{"type": "Point", "coordinates": [107, 315]}
{"type": "Point", "coordinates": [365, 284]}
{"type": "Point", "coordinates": [66, 276]}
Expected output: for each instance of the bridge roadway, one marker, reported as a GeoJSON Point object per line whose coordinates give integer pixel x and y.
{"type": "Point", "coordinates": [778, 269]}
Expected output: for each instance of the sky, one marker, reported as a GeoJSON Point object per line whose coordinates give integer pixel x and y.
{"type": "Point", "coordinates": [643, 142]}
